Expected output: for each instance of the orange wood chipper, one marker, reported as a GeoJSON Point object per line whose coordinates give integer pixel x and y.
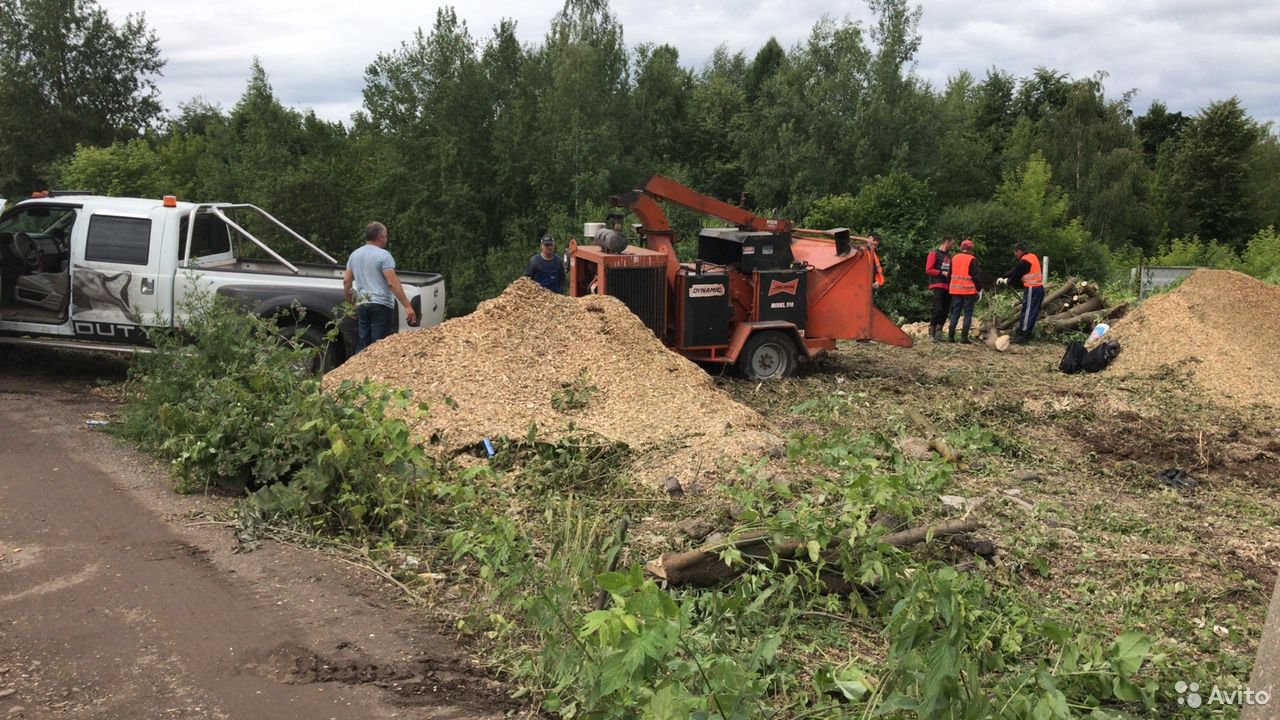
{"type": "Point", "coordinates": [762, 295]}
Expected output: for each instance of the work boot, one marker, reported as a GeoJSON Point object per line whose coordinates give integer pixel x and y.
{"type": "Point", "coordinates": [935, 333]}
{"type": "Point", "coordinates": [1021, 338]}
{"type": "Point", "coordinates": [965, 339]}
{"type": "Point", "coordinates": [951, 334]}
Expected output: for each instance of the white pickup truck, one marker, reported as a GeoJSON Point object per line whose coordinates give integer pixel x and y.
{"type": "Point", "coordinates": [94, 273]}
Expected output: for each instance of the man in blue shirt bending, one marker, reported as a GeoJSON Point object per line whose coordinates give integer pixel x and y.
{"type": "Point", "coordinates": [370, 281]}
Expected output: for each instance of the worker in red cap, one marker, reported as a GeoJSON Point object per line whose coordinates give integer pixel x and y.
{"type": "Point", "coordinates": [963, 289]}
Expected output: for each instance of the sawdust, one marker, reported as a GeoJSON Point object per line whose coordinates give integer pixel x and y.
{"type": "Point", "coordinates": [511, 362]}
{"type": "Point", "coordinates": [1221, 326]}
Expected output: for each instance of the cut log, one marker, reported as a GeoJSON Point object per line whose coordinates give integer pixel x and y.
{"type": "Point", "coordinates": [918, 535]}
{"type": "Point", "coordinates": [994, 340]}
{"type": "Point", "coordinates": [934, 437]}
{"type": "Point", "coordinates": [1061, 290]}
{"type": "Point", "coordinates": [1090, 305]}
{"type": "Point", "coordinates": [703, 567]}
{"type": "Point", "coordinates": [1117, 312]}
{"type": "Point", "coordinates": [1084, 321]}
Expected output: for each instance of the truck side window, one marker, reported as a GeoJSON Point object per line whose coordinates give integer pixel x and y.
{"type": "Point", "coordinates": [115, 239]}
{"type": "Point", "coordinates": [211, 237]}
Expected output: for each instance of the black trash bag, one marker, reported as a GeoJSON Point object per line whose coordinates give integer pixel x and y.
{"type": "Point", "coordinates": [1073, 358]}
{"type": "Point", "coordinates": [1100, 357]}
{"type": "Point", "coordinates": [1077, 359]}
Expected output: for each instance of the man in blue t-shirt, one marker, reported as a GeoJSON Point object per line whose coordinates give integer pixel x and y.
{"type": "Point", "coordinates": [370, 281]}
{"type": "Point", "coordinates": [545, 268]}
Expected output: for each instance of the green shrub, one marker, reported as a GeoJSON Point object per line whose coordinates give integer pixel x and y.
{"type": "Point", "coordinates": [229, 402]}
{"type": "Point", "coordinates": [1262, 257]}
{"type": "Point", "coordinates": [225, 398]}
{"type": "Point", "coordinates": [1194, 251]}
{"type": "Point", "coordinates": [903, 211]}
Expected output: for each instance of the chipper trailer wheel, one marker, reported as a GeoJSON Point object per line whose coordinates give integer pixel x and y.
{"type": "Point", "coordinates": [768, 355]}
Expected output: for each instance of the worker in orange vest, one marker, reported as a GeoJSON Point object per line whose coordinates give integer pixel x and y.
{"type": "Point", "coordinates": [1026, 274]}
{"type": "Point", "coordinates": [963, 289]}
{"type": "Point", "coordinates": [877, 280]}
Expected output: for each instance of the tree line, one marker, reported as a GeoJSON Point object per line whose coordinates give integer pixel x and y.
{"type": "Point", "coordinates": [469, 147]}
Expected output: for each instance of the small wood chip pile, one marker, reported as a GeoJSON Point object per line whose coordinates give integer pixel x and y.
{"type": "Point", "coordinates": [511, 362]}
{"type": "Point", "coordinates": [1222, 325]}
{"type": "Point", "coordinates": [919, 330]}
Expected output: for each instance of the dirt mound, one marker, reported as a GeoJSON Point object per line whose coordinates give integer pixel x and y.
{"type": "Point", "coordinates": [531, 356]}
{"type": "Point", "coordinates": [1221, 325]}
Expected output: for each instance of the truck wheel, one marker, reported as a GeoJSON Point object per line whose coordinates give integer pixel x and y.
{"type": "Point", "coordinates": [768, 355]}
{"type": "Point", "coordinates": [326, 353]}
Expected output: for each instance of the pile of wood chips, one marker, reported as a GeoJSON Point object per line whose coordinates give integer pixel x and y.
{"type": "Point", "coordinates": [1221, 325]}
{"type": "Point", "coordinates": [494, 372]}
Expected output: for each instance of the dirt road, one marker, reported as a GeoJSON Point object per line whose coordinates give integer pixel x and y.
{"type": "Point", "coordinates": [119, 599]}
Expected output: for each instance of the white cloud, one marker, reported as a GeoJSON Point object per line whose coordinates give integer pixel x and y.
{"type": "Point", "coordinates": [1186, 53]}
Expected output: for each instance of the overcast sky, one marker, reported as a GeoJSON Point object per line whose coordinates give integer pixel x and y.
{"type": "Point", "coordinates": [1186, 53]}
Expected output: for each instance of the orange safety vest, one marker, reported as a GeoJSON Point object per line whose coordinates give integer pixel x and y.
{"type": "Point", "coordinates": [961, 280]}
{"type": "Point", "coordinates": [879, 271]}
{"type": "Point", "coordinates": [1033, 278]}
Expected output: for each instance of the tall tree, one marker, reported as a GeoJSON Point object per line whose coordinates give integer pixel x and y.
{"type": "Point", "coordinates": [802, 138]}
{"type": "Point", "coordinates": [69, 75]}
{"type": "Point", "coordinates": [429, 122]}
{"type": "Point", "coordinates": [660, 102]}
{"type": "Point", "coordinates": [1097, 157]}
{"type": "Point", "coordinates": [1158, 128]}
{"type": "Point", "coordinates": [586, 103]}
{"type": "Point", "coordinates": [963, 168]}
{"type": "Point", "coordinates": [1209, 183]}
{"type": "Point", "coordinates": [769, 59]}
{"type": "Point", "coordinates": [515, 83]}
{"type": "Point", "coordinates": [894, 116]}
{"type": "Point", "coordinates": [287, 161]}
{"type": "Point", "coordinates": [1264, 180]}
{"type": "Point", "coordinates": [717, 104]}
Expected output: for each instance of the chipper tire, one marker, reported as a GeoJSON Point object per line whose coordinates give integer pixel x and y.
{"type": "Point", "coordinates": [768, 355]}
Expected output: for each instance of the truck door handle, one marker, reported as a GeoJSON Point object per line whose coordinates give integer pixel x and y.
{"type": "Point", "coordinates": [148, 286]}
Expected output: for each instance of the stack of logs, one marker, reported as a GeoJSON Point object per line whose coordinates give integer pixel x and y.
{"type": "Point", "coordinates": [1074, 305]}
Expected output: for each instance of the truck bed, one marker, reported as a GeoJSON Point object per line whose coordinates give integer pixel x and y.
{"type": "Point", "coordinates": [313, 270]}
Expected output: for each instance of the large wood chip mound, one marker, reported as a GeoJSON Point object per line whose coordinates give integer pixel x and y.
{"type": "Point", "coordinates": [508, 364]}
{"type": "Point", "coordinates": [1223, 326]}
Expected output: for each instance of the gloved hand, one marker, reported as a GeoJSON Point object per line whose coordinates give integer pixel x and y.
{"type": "Point", "coordinates": [1002, 281]}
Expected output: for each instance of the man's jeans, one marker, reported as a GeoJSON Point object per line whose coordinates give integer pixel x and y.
{"type": "Point", "coordinates": [375, 323]}
{"type": "Point", "coordinates": [962, 305]}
